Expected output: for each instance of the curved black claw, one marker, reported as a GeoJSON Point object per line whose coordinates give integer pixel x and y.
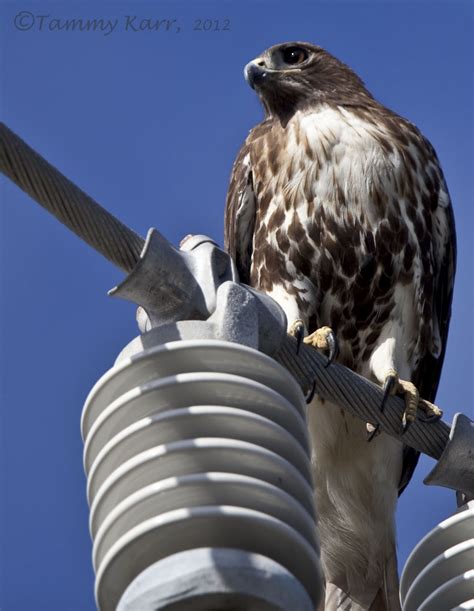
{"type": "Point", "coordinates": [299, 335]}
{"type": "Point", "coordinates": [310, 396]}
{"type": "Point", "coordinates": [373, 433]}
{"type": "Point", "coordinates": [405, 424]}
{"type": "Point", "coordinates": [388, 387]}
{"type": "Point", "coordinates": [333, 346]}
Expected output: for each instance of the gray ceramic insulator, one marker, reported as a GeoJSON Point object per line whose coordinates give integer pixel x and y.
{"type": "Point", "coordinates": [439, 573]}
{"type": "Point", "coordinates": [196, 448]}
{"type": "Point", "coordinates": [200, 444]}
{"type": "Point", "coordinates": [257, 583]}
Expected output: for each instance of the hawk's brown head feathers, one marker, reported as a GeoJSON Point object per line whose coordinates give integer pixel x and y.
{"type": "Point", "coordinates": [297, 75]}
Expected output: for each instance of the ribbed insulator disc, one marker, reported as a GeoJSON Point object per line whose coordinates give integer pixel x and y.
{"type": "Point", "coordinates": [198, 445]}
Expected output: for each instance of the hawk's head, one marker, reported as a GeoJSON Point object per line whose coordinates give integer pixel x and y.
{"type": "Point", "coordinates": [297, 75]}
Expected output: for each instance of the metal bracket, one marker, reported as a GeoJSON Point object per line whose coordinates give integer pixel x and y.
{"type": "Point", "coordinates": [195, 292]}
{"type": "Point", "coordinates": [454, 467]}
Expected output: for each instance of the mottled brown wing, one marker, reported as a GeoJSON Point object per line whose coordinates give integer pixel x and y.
{"type": "Point", "coordinates": [427, 375]}
{"type": "Point", "coordinates": [239, 220]}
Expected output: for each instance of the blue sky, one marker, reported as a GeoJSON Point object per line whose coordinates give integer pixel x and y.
{"type": "Point", "coordinates": [149, 123]}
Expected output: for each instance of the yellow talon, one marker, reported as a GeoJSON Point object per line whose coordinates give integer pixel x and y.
{"type": "Point", "coordinates": [394, 386]}
{"type": "Point", "coordinates": [324, 339]}
{"type": "Point", "coordinates": [319, 339]}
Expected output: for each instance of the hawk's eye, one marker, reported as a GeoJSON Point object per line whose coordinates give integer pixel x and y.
{"type": "Point", "coordinates": [294, 55]}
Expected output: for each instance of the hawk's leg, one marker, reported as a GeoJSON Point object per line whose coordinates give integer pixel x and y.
{"type": "Point", "coordinates": [394, 386]}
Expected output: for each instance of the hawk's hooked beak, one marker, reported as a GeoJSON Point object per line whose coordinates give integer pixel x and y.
{"type": "Point", "coordinates": [255, 72]}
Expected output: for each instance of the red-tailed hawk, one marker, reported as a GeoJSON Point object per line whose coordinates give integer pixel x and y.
{"type": "Point", "coordinates": [338, 209]}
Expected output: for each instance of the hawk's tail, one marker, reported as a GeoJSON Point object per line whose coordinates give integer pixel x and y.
{"type": "Point", "coordinates": [386, 598]}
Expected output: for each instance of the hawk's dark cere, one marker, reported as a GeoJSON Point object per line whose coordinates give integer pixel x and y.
{"type": "Point", "coordinates": [337, 207]}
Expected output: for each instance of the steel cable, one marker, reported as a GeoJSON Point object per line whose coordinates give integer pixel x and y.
{"type": "Point", "coordinates": [360, 397]}
{"type": "Point", "coordinates": [69, 204]}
